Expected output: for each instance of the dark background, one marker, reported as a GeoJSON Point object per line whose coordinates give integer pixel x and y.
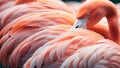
{"type": "Point", "coordinates": [114, 1]}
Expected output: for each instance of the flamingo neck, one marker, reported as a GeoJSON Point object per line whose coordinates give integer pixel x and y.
{"type": "Point", "coordinates": [114, 28]}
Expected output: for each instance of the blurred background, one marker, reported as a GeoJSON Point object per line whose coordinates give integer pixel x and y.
{"type": "Point", "coordinates": [114, 1]}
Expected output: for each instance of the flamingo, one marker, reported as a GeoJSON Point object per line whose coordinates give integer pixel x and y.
{"type": "Point", "coordinates": [31, 44]}
{"type": "Point", "coordinates": [55, 52]}
{"type": "Point", "coordinates": [109, 10]}
{"type": "Point", "coordinates": [66, 17]}
{"type": "Point", "coordinates": [16, 11]}
{"type": "Point", "coordinates": [20, 25]}
{"type": "Point", "coordinates": [28, 26]}
{"type": "Point", "coordinates": [104, 54]}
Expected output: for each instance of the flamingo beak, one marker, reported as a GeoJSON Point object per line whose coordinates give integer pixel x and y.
{"type": "Point", "coordinates": [81, 23]}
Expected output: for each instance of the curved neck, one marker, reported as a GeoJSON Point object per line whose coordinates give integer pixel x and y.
{"type": "Point", "coordinates": [99, 9]}
{"type": "Point", "coordinates": [114, 28]}
{"type": "Point", "coordinates": [17, 2]}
